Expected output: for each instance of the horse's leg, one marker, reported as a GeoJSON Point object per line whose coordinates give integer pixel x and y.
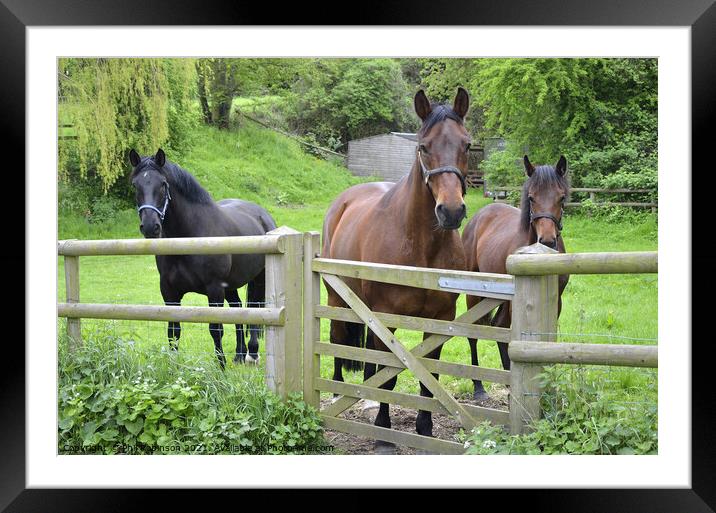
{"type": "Point", "coordinates": [503, 319]}
{"type": "Point", "coordinates": [338, 336]}
{"type": "Point", "coordinates": [215, 294]}
{"type": "Point", "coordinates": [171, 298]}
{"type": "Point", "coordinates": [369, 369]}
{"type": "Point", "coordinates": [479, 393]}
{"type": "Point", "coordinates": [232, 297]}
{"type": "Point", "coordinates": [255, 297]}
{"type": "Point", "coordinates": [382, 419]}
{"type": "Point", "coordinates": [424, 420]}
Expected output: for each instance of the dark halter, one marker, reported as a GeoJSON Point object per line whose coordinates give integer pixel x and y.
{"type": "Point", "coordinates": [557, 222]}
{"type": "Point", "coordinates": [161, 212]}
{"type": "Point", "coordinates": [427, 173]}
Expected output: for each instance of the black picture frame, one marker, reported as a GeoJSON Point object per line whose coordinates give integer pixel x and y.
{"type": "Point", "coordinates": [700, 15]}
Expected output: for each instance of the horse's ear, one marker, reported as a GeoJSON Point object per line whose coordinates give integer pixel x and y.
{"type": "Point", "coordinates": [528, 166]}
{"type": "Point", "coordinates": [134, 158]}
{"type": "Point", "coordinates": [561, 167]}
{"type": "Point", "coordinates": [422, 105]}
{"type": "Point", "coordinates": [461, 103]}
{"type": "Point", "coordinates": [160, 158]}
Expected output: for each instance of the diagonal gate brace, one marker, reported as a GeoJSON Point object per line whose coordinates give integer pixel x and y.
{"type": "Point", "coordinates": [396, 347]}
{"type": "Point", "coordinates": [425, 347]}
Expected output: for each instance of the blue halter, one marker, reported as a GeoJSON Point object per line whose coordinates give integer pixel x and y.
{"type": "Point", "coordinates": [161, 212]}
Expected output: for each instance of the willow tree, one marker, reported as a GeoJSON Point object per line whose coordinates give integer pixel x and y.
{"type": "Point", "coordinates": [113, 105]}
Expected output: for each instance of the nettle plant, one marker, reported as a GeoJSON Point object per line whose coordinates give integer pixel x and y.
{"type": "Point", "coordinates": [115, 398]}
{"type": "Point", "coordinates": [580, 417]}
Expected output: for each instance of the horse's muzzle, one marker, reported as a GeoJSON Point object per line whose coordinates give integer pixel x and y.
{"type": "Point", "coordinates": [151, 230]}
{"type": "Point", "coordinates": [450, 218]}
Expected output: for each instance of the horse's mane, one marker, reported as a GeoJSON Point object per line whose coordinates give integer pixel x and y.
{"type": "Point", "coordinates": [440, 112]}
{"type": "Point", "coordinates": [179, 180]}
{"type": "Point", "coordinates": [543, 177]}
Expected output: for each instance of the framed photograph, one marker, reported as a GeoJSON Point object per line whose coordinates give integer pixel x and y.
{"type": "Point", "coordinates": [42, 40]}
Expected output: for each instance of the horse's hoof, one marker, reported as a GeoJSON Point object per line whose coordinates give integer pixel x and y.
{"type": "Point", "coordinates": [480, 396]}
{"type": "Point", "coordinates": [251, 360]}
{"type": "Point", "coordinates": [335, 398]}
{"type": "Point", "coordinates": [239, 359]}
{"type": "Point", "coordinates": [384, 448]}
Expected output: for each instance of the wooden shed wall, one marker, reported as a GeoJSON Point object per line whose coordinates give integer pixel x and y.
{"type": "Point", "coordinates": [387, 156]}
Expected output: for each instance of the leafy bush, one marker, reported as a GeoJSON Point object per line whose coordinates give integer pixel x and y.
{"type": "Point", "coordinates": [115, 398]}
{"type": "Point", "coordinates": [105, 208]}
{"type": "Point", "coordinates": [580, 417]}
{"type": "Point", "coordinates": [504, 168]}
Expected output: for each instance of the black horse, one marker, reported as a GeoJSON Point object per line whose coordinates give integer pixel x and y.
{"type": "Point", "coordinates": [171, 203]}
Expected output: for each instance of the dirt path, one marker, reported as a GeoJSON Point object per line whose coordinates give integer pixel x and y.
{"type": "Point", "coordinates": [403, 419]}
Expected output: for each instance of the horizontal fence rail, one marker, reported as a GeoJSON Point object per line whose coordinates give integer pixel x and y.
{"type": "Point", "coordinates": [283, 248]}
{"type": "Point", "coordinates": [584, 354]}
{"type": "Point", "coordinates": [637, 262]}
{"type": "Point", "coordinates": [251, 244]}
{"type": "Point", "coordinates": [450, 328]}
{"type": "Point", "coordinates": [500, 286]}
{"type": "Point", "coordinates": [199, 314]}
{"type": "Point", "coordinates": [579, 189]}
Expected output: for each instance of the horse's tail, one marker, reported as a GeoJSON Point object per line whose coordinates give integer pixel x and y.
{"type": "Point", "coordinates": [356, 338]}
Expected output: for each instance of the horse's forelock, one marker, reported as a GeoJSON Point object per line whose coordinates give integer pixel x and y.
{"type": "Point", "coordinates": [543, 177]}
{"type": "Point", "coordinates": [179, 179]}
{"type": "Point", "coordinates": [145, 164]}
{"type": "Point", "coordinates": [440, 112]}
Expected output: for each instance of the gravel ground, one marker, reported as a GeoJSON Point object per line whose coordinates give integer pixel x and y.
{"type": "Point", "coordinates": [403, 419]}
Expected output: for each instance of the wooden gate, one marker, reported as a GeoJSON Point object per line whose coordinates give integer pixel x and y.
{"type": "Point", "coordinates": [494, 288]}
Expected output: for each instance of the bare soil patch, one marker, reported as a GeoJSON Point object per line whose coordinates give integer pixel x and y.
{"type": "Point", "coordinates": [403, 419]}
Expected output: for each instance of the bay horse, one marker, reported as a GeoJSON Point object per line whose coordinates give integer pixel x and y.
{"type": "Point", "coordinates": [411, 222]}
{"type": "Point", "coordinates": [171, 203]}
{"type": "Point", "coordinates": [498, 230]}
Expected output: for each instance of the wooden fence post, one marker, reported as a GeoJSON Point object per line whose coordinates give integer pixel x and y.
{"type": "Point", "coordinates": [311, 323]}
{"type": "Point", "coordinates": [534, 317]}
{"type": "Point", "coordinates": [72, 287]}
{"type": "Point", "coordinates": [283, 289]}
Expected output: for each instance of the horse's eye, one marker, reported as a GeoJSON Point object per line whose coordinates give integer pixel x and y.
{"type": "Point", "coordinates": [423, 149]}
{"type": "Point", "coordinates": [563, 198]}
{"type": "Point", "coordinates": [530, 198]}
{"type": "Point", "coordinates": [467, 147]}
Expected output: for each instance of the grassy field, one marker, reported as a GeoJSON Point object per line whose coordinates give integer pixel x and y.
{"type": "Point", "coordinates": [264, 167]}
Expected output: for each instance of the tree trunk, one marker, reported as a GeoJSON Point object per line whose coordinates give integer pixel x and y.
{"type": "Point", "coordinates": [203, 100]}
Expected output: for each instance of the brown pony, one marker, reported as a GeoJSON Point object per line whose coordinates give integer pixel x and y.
{"type": "Point", "coordinates": [498, 230]}
{"type": "Point", "coordinates": [412, 222]}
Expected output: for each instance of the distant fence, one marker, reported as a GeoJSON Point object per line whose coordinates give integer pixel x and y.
{"type": "Point", "coordinates": [593, 191]}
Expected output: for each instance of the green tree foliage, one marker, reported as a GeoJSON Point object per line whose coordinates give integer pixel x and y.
{"type": "Point", "coordinates": [220, 80]}
{"type": "Point", "coordinates": [112, 105]}
{"type": "Point", "coordinates": [600, 113]}
{"type": "Point", "coordinates": [344, 99]}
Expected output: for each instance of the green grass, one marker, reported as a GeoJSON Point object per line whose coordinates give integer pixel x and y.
{"type": "Point", "coordinates": [261, 166]}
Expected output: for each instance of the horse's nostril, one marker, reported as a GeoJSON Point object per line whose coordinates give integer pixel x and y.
{"type": "Point", "coordinates": [549, 243]}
